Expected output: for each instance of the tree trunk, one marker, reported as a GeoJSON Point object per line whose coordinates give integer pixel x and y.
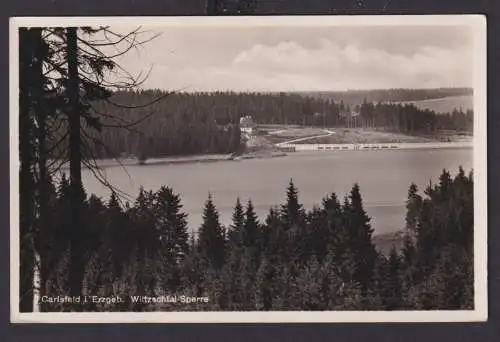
{"type": "Point", "coordinates": [76, 187]}
{"type": "Point", "coordinates": [26, 180]}
{"type": "Point", "coordinates": [40, 114]}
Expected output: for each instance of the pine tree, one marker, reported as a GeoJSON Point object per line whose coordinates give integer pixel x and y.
{"type": "Point", "coordinates": [236, 229]}
{"type": "Point", "coordinates": [408, 268]}
{"type": "Point", "coordinates": [244, 261]}
{"type": "Point", "coordinates": [275, 233]}
{"type": "Point", "coordinates": [95, 211]}
{"type": "Point", "coordinates": [316, 242]}
{"type": "Point", "coordinates": [359, 232]}
{"type": "Point", "coordinates": [250, 233]}
{"type": "Point", "coordinates": [438, 268]}
{"type": "Point", "coordinates": [64, 221]}
{"type": "Point", "coordinates": [342, 252]}
{"type": "Point", "coordinates": [211, 241]}
{"type": "Point", "coordinates": [393, 290]}
{"type": "Point", "coordinates": [146, 243]}
{"type": "Point", "coordinates": [172, 224]}
{"type": "Point", "coordinates": [294, 219]}
{"type": "Point", "coordinates": [413, 207]}
{"type": "Point", "coordinates": [192, 269]}
{"type": "Point", "coordinates": [292, 212]}
{"type": "Point", "coordinates": [142, 215]}
{"type": "Point", "coordinates": [119, 237]}
{"type": "Point", "coordinates": [171, 230]}
{"type": "Point", "coordinates": [233, 277]}
{"type": "Point", "coordinates": [265, 279]}
{"type": "Point", "coordinates": [462, 212]}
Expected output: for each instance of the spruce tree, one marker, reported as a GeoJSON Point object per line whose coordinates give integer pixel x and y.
{"type": "Point", "coordinates": [119, 237]}
{"type": "Point", "coordinates": [393, 299]}
{"type": "Point", "coordinates": [359, 232]}
{"type": "Point", "coordinates": [211, 241]}
{"type": "Point", "coordinates": [278, 240]}
{"type": "Point", "coordinates": [236, 228]}
{"type": "Point", "coordinates": [95, 211]}
{"type": "Point", "coordinates": [438, 268]}
{"type": "Point", "coordinates": [316, 243]}
{"type": "Point", "coordinates": [172, 224]}
{"type": "Point", "coordinates": [171, 230]}
{"type": "Point", "coordinates": [265, 285]}
{"type": "Point", "coordinates": [292, 212]}
{"type": "Point", "coordinates": [250, 232]}
{"type": "Point", "coordinates": [335, 233]}
{"type": "Point", "coordinates": [146, 243]}
{"type": "Point", "coordinates": [408, 268]}
{"type": "Point", "coordinates": [462, 212]}
{"type": "Point", "coordinates": [249, 258]}
{"type": "Point", "coordinates": [413, 207]}
{"type": "Point", "coordinates": [294, 219]}
{"type": "Point", "coordinates": [233, 277]}
{"type": "Point", "coordinates": [192, 269]}
{"type": "Point", "coordinates": [142, 214]}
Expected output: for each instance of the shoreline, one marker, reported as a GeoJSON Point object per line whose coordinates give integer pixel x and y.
{"type": "Point", "coordinates": [205, 158]}
{"type": "Point", "coordinates": [286, 150]}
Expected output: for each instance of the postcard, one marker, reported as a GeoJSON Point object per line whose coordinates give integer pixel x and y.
{"type": "Point", "coordinates": [248, 169]}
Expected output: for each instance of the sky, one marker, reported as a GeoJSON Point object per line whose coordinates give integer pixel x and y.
{"type": "Point", "coordinates": [291, 58]}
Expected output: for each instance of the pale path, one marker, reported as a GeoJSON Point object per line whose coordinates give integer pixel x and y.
{"type": "Point", "coordinates": [329, 133]}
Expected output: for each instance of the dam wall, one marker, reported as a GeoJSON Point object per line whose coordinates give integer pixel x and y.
{"type": "Point", "coordinates": [368, 147]}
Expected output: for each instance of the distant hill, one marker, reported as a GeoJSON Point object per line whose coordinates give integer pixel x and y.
{"type": "Point", "coordinates": [354, 97]}
{"type": "Point", "coordinates": [446, 104]}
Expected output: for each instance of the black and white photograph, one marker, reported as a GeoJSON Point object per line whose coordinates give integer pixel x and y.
{"type": "Point", "coordinates": [248, 169]}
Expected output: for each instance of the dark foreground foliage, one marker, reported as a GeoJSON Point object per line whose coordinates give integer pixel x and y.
{"type": "Point", "coordinates": [297, 259]}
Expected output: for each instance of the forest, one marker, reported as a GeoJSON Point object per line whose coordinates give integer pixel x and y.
{"type": "Point", "coordinates": [320, 259]}
{"type": "Point", "coordinates": [77, 245]}
{"type": "Point", "coordinates": [202, 123]}
{"type": "Point", "coordinates": [353, 97]}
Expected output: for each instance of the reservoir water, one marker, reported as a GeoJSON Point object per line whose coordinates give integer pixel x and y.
{"type": "Point", "coordinates": [383, 176]}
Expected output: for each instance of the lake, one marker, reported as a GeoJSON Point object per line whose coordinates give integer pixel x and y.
{"type": "Point", "coordinates": [383, 176]}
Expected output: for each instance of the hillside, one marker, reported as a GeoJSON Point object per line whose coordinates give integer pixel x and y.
{"type": "Point", "coordinates": [354, 97]}
{"type": "Point", "coordinates": [446, 104]}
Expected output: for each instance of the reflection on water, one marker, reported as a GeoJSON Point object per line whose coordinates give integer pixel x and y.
{"type": "Point", "coordinates": [384, 178]}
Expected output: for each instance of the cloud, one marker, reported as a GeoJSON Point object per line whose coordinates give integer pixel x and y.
{"type": "Point", "coordinates": [353, 66]}
{"type": "Point", "coordinates": [284, 60]}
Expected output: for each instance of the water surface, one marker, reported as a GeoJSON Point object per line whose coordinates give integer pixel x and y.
{"type": "Point", "coordinates": [383, 176]}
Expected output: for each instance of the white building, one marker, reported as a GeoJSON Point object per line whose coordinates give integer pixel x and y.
{"type": "Point", "coordinates": [247, 124]}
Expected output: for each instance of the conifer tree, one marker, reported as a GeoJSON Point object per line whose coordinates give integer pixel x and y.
{"type": "Point", "coordinates": [172, 224]}
{"type": "Point", "coordinates": [146, 242]}
{"type": "Point", "coordinates": [292, 212]}
{"type": "Point", "coordinates": [211, 241]}
{"type": "Point", "coordinates": [192, 269]}
{"type": "Point", "coordinates": [335, 235]}
{"type": "Point", "coordinates": [413, 207]}
{"type": "Point", "coordinates": [360, 239]}
{"type": "Point", "coordinates": [95, 211]}
{"type": "Point", "coordinates": [428, 240]}
{"type": "Point", "coordinates": [277, 237]}
{"type": "Point", "coordinates": [237, 226]}
{"type": "Point", "coordinates": [250, 232]}
{"type": "Point", "coordinates": [265, 285]}
{"type": "Point", "coordinates": [393, 291]}
{"type": "Point", "coordinates": [316, 241]}
{"type": "Point", "coordinates": [142, 215]}
{"type": "Point", "coordinates": [408, 268]}
{"type": "Point", "coordinates": [171, 230]}
{"type": "Point", "coordinates": [119, 235]}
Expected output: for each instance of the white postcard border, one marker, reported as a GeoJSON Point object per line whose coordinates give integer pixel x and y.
{"type": "Point", "coordinates": [480, 313]}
